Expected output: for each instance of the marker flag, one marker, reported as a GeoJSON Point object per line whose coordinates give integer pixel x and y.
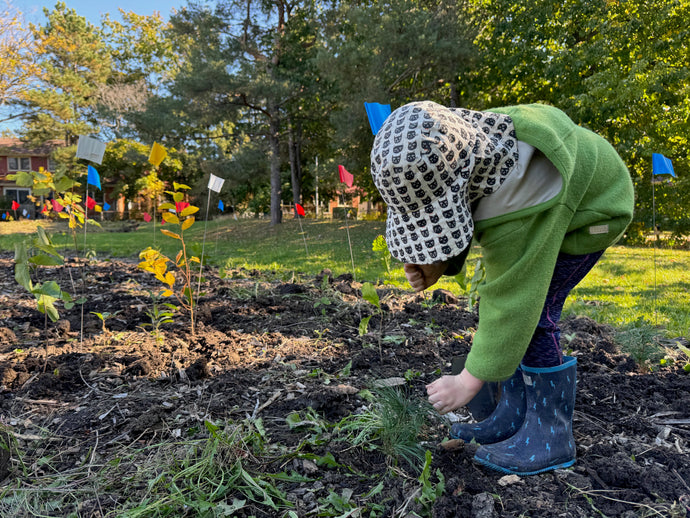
{"type": "Point", "coordinates": [93, 178]}
{"type": "Point", "coordinates": [106, 206]}
{"type": "Point", "coordinates": [147, 217]}
{"type": "Point", "coordinates": [45, 207]}
{"type": "Point", "coordinates": [215, 183]}
{"type": "Point", "coordinates": [300, 209]}
{"type": "Point", "coordinates": [15, 205]}
{"type": "Point", "coordinates": [221, 206]}
{"type": "Point", "coordinates": [662, 165]}
{"type": "Point", "coordinates": [345, 177]}
{"type": "Point", "coordinates": [7, 214]}
{"type": "Point", "coordinates": [56, 206]}
{"type": "Point", "coordinates": [180, 206]}
{"type": "Point", "coordinates": [90, 202]}
{"type": "Point", "coordinates": [90, 148]}
{"type": "Point", "coordinates": [4, 215]}
{"type": "Point", "coordinates": [158, 154]}
{"type": "Point", "coordinates": [24, 213]}
{"type": "Point", "coordinates": [377, 114]}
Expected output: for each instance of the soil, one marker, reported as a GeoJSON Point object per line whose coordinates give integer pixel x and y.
{"type": "Point", "coordinates": [268, 347]}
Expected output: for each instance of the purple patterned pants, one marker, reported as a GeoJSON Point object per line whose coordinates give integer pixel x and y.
{"type": "Point", "coordinates": [544, 349]}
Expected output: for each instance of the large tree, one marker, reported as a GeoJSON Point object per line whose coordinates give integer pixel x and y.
{"type": "Point", "coordinates": [17, 65]}
{"type": "Point", "coordinates": [232, 72]}
{"type": "Point", "coordinates": [73, 64]}
{"type": "Point", "coordinates": [391, 52]}
{"type": "Point", "coordinates": [619, 68]}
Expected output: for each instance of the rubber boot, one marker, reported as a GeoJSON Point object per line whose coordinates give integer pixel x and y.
{"type": "Point", "coordinates": [504, 421]}
{"type": "Point", "coordinates": [545, 441]}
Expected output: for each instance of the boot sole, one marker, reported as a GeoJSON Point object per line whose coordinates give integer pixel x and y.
{"type": "Point", "coordinates": [495, 467]}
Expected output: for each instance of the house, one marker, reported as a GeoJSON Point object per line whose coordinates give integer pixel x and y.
{"type": "Point", "coordinates": [16, 156]}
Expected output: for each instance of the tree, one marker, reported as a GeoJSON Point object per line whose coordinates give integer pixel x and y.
{"type": "Point", "coordinates": [619, 68]}
{"type": "Point", "coordinates": [17, 66]}
{"type": "Point", "coordinates": [73, 63]}
{"type": "Point", "coordinates": [391, 52]}
{"type": "Point", "coordinates": [233, 72]}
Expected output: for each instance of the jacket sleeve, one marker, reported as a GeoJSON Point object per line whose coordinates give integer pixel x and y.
{"type": "Point", "coordinates": [519, 257]}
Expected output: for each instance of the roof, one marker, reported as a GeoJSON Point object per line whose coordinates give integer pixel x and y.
{"type": "Point", "coordinates": [10, 146]}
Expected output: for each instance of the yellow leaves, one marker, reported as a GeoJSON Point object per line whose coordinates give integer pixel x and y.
{"type": "Point", "coordinates": [189, 211]}
{"type": "Point", "coordinates": [170, 234]}
{"type": "Point", "coordinates": [169, 217]}
{"type": "Point", "coordinates": [187, 223]}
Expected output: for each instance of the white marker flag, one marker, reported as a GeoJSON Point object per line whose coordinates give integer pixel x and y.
{"type": "Point", "coordinates": [90, 149]}
{"type": "Point", "coordinates": [215, 183]}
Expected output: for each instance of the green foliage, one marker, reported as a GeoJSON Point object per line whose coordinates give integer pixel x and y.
{"type": "Point", "coordinates": [392, 423]}
{"type": "Point", "coordinates": [40, 251]}
{"type": "Point", "coordinates": [160, 313]}
{"type": "Point", "coordinates": [73, 62]}
{"type": "Point", "coordinates": [430, 492]}
{"type": "Point", "coordinates": [380, 248]}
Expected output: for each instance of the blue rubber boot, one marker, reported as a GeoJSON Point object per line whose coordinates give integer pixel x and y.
{"type": "Point", "coordinates": [545, 441]}
{"type": "Point", "coordinates": [504, 421]}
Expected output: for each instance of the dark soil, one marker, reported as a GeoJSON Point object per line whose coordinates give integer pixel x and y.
{"type": "Point", "coordinates": [266, 348]}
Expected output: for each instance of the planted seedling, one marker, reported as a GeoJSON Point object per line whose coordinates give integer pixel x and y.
{"type": "Point", "coordinates": [178, 213]}
{"type": "Point", "coordinates": [106, 315]}
{"type": "Point", "coordinates": [380, 248]}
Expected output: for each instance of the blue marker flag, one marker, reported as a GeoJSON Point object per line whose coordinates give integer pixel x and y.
{"type": "Point", "coordinates": [377, 114]}
{"type": "Point", "coordinates": [106, 205]}
{"type": "Point", "coordinates": [662, 165]}
{"type": "Point", "coordinates": [220, 205]}
{"type": "Point", "coordinates": [93, 178]}
{"type": "Point", "coordinates": [4, 216]}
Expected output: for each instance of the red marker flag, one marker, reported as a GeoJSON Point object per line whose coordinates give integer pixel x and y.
{"type": "Point", "coordinates": [300, 209]}
{"type": "Point", "coordinates": [56, 206]}
{"type": "Point", "coordinates": [180, 206]}
{"type": "Point", "coordinates": [90, 202]}
{"type": "Point", "coordinates": [45, 207]}
{"type": "Point", "coordinates": [345, 177]}
{"type": "Point", "coordinates": [147, 217]}
{"type": "Point", "coordinates": [15, 205]}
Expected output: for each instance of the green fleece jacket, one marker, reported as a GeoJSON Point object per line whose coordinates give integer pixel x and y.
{"type": "Point", "coordinates": [520, 249]}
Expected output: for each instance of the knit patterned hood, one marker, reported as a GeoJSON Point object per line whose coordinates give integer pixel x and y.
{"type": "Point", "coordinates": [430, 163]}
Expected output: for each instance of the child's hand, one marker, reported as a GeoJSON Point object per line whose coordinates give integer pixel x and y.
{"type": "Point", "coordinates": [451, 392]}
{"type": "Point", "coordinates": [421, 276]}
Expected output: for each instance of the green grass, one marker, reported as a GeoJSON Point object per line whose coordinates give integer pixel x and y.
{"type": "Point", "coordinates": [629, 287]}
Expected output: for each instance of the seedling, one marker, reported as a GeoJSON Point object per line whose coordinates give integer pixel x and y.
{"type": "Point", "coordinates": [160, 313]}
{"type": "Point", "coordinates": [178, 213]}
{"type": "Point", "coordinates": [106, 315]}
{"type": "Point", "coordinates": [380, 248]}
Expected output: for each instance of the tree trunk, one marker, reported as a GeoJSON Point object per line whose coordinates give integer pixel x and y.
{"type": "Point", "coordinates": [276, 213]}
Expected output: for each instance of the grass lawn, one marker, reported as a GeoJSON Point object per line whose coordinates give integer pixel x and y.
{"type": "Point", "coordinates": [629, 288]}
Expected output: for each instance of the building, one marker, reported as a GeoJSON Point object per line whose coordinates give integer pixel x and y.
{"type": "Point", "coordinates": [16, 156]}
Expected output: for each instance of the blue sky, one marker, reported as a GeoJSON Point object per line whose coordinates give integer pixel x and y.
{"type": "Point", "coordinates": [93, 9]}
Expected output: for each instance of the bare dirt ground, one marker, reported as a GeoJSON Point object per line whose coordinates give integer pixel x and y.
{"type": "Point", "coordinates": [269, 348]}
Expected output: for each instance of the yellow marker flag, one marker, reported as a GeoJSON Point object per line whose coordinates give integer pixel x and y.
{"type": "Point", "coordinates": [158, 153]}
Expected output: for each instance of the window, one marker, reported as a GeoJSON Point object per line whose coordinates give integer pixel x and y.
{"type": "Point", "coordinates": [15, 163]}
{"type": "Point", "coordinates": [18, 195]}
{"type": "Point", "coordinates": [52, 165]}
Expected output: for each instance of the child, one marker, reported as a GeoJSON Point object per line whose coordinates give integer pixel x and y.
{"type": "Point", "coordinates": [544, 198]}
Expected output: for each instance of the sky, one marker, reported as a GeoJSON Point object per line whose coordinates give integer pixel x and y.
{"type": "Point", "coordinates": [92, 10]}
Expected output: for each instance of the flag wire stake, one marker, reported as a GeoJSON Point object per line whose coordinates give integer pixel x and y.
{"type": "Point", "coordinates": [203, 245]}
{"type": "Point", "coordinates": [299, 218]}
